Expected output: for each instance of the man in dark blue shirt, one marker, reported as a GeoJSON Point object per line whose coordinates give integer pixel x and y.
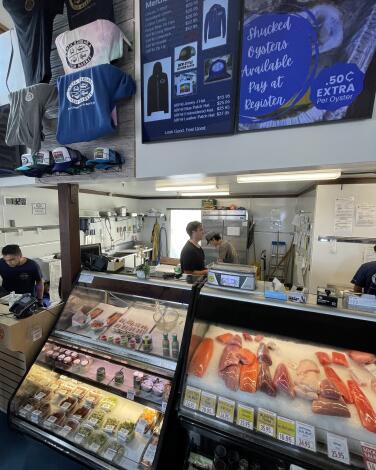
{"type": "Point", "coordinates": [20, 275]}
{"type": "Point", "coordinates": [365, 278]}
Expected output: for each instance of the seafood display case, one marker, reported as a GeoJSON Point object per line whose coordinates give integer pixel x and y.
{"type": "Point", "coordinates": [101, 388]}
{"type": "Point", "coordinates": [280, 383]}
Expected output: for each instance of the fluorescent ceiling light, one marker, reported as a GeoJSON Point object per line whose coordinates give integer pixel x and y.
{"type": "Point", "coordinates": [290, 176]}
{"type": "Point", "coordinates": [208, 193]}
{"type": "Point", "coordinates": [191, 187]}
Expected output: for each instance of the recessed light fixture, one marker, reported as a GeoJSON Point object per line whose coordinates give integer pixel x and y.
{"type": "Point", "coordinates": [186, 187]}
{"type": "Point", "coordinates": [316, 175]}
{"type": "Point", "coordinates": [206, 193]}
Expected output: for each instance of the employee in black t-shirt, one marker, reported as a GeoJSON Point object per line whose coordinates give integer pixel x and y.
{"type": "Point", "coordinates": [364, 279]}
{"type": "Point", "coordinates": [20, 275]}
{"type": "Point", "coordinates": [192, 257]}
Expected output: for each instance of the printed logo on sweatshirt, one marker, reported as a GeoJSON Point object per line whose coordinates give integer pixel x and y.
{"type": "Point", "coordinates": [29, 96]}
{"type": "Point", "coordinates": [79, 4]}
{"type": "Point", "coordinates": [79, 53]}
{"type": "Point", "coordinates": [29, 5]}
{"type": "Point", "coordinates": [80, 90]}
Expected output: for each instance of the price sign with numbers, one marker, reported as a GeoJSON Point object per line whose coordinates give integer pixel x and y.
{"type": "Point", "coordinates": [245, 416]}
{"type": "Point", "coordinates": [338, 448]}
{"type": "Point", "coordinates": [369, 455]}
{"type": "Point", "coordinates": [187, 90]}
{"type": "Point", "coordinates": [305, 436]}
{"type": "Point", "coordinates": [286, 430]}
{"type": "Point", "coordinates": [266, 422]}
{"type": "Point", "coordinates": [225, 409]}
{"type": "Point", "coordinates": [208, 403]}
{"type": "Point", "coordinates": [192, 398]}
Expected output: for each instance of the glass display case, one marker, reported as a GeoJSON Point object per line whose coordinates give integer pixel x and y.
{"type": "Point", "coordinates": [101, 388]}
{"type": "Point", "coordinates": [277, 384]}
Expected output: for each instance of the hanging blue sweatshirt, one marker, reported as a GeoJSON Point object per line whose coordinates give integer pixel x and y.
{"type": "Point", "coordinates": [86, 99]}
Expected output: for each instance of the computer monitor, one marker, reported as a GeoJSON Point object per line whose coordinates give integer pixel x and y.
{"type": "Point", "coordinates": [87, 250]}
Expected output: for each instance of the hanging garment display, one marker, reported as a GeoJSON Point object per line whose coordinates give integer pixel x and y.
{"type": "Point", "coordinates": [81, 12]}
{"type": "Point", "coordinates": [67, 160]}
{"type": "Point", "coordinates": [27, 109]}
{"type": "Point", "coordinates": [86, 99]}
{"type": "Point", "coordinates": [215, 22]}
{"type": "Point", "coordinates": [99, 42]}
{"type": "Point", "coordinates": [36, 165]}
{"type": "Point", "coordinates": [155, 237]}
{"type": "Point", "coordinates": [105, 158]}
{"type": "Point", "coordinates": [157, 90]}
{"type": "Point", "coordinates": [9, 156]}
{"type": "Point", "coordinates": [33, 20]}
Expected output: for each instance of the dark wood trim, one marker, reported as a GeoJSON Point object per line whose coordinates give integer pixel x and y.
{"type": "Point", "coordinates": [3, 28]}
{"type": "Point", "coordinates": [69, 236]}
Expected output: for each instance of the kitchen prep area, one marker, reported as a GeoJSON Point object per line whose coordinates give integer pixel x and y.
{"type": "Point", "coordinates": [188, 234]}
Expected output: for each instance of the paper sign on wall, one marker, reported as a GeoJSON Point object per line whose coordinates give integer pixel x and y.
{"type": "Point", "coordinates": [366, 215]}
{"type": "Point", "coordinates": [344, 216]}
{"type": "Point", "coordinates": [233, 231]}
{"type": "Point", "coordinates": [39, 208]}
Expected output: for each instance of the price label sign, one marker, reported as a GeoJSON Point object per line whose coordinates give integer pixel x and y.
{"type": "Point", "coordinates": [130, 394]}
{"type": "Point", "coordinates": [266, 422]}
{"type": "Point", "coordinates": [192, 398]}
{"type": "Point", "coordinates": [338, 448]}
{"type": "Point", "coordinates": [94, 447]}
{"type": "Point", "coordinates": [226, 409]}
{"type": "Point", "coordinates": [122, 436]}
{"type": "Point", "coordinates": [369, 455]}
{"type": "Point", "coordinates": [65, 431]}
{"type": "Point", "coordinates": [150, 453]}
{"type": "Point", "coordinates": [164, 406]}
{"type": "Point", "coordinates": [305, 436]}
{"type": "Point", "coordinates": [208, 403]}
{"type": "Point", "coordinates": [245, 416]}
{"type": "Point", "coordinates": [141, 426]}
{"type": "Point", "coordinates": [35, 416]}
{"type": "Point", "coordinates": [286, 430]}
{"type": "Point", "coordinates": [110, 454]}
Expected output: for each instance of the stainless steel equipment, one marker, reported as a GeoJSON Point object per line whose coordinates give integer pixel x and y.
{"type": "Point", "coordinates": [232, 276]}
{"type": "Point", "coordinates": [232, 225]}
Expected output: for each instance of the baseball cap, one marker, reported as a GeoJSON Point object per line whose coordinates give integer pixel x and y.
{"type": "Point", "coordinates": [27, 161]}
{"type": "Point", "coordinates": [67, 160]}
{"type": "Point", "coordinates": [218, 71]}
{"type": "Point", "coordinates": [187, 52]}
{"type": "Point", "coordinates": [209, 237]}
{"type": "Point", "coordinates": [37, 164]}
{"type": "Point", "coordinates": [104, 158]}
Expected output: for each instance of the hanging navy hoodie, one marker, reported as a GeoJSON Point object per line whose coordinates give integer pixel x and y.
{"type": "Point", "coordinates": [158, 90]}
{"type": "Point", "coordinates": [86, 99]}
{"type": "Point", "coordinates": [215, 23]}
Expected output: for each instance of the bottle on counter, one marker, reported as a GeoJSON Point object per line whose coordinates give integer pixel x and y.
{"type": "Point", "coordinates": [175, 346]}
{"type": "Point", "coordinates": [166, 345]}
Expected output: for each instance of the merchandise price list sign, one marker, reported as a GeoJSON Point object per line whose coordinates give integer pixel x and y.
{"type": "Point", "coordinates": [286, 431]}
{"type": "Point", "coordinates": [208, 403]}
{"type": "Point", "coordinates": [245, 416]}
{"type": "Point", "coordinates": [305, 436]}
{"type": "Point", "coordinates": [225, 410]}
{"type": "Point", "coordinates": [189, 67]}
{"type": "Point", "coordinates": [369, 455]}
{"type": "Point", "coordinates": [192, 398]}
{"type": "Point", "coordinates": [338, 448]}
{"type": "Point", "coordinates": [266, 422]}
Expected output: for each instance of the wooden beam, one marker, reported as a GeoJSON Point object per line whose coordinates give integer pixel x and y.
{"type": "Point", "coordinates": [69, 220]}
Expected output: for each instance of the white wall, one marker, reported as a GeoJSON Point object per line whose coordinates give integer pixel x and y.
{"type": "Point", "coordinates": [337, 264]}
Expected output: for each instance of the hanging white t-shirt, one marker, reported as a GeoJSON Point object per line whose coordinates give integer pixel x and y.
{"type": "Point", "coordinates": [96, 43]}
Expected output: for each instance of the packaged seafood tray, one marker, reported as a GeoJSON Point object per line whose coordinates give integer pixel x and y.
{"type": "Point", "coordinates": [330, 389]}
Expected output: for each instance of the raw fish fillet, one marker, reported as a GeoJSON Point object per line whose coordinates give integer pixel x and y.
{"type": "Point", "coordinates": [325, 406]}
{"type": "Point", "coordinates": [230, 357]}
{"type": "Point", "coordinates": [195, 341]}
{"type": "Point", "coordinates": [263, 354]}
{"type": "Point", "coordinates": [247, 337]}
{"type": "Point", "coordinates": [323, 358]}
{"type": "Point", "coordinates": [225, 338]}
{"type": "Point", "coordinates": [236, 340]}
{"type": "Point", "coordinates": [329, 390]}
{"type": "Point", "coordinates": [259, 338]}
{"type": "Point", "coordinates": [306, 365]}
{"type": "Point", "coordinates": [373, 385]}
{"type": "Point", "coordinates": [365, 411]}
{"type": "Point", "coordinates": [264, 380]}
{"type": "Point", "coordinates": [246, 356]}
{"type": "Point", "coordinates": [339, 359]}
{"type": "Point", "coordinates": [231, 377]}
{"type": "Point", "coordinates": [282, 380]}
{"type": "Point", "coordinates": [306, 394]}
{"type": "Point", "coordinates": [341, 386]}
{"type": "Point", "coordinates": [248, 377]}
{"type": "Point", "coordinates": [308, 381]}
{"type": "Point", "coordinates": [201, 357]}
{"type": "Point", "coordinates": [362, 357]}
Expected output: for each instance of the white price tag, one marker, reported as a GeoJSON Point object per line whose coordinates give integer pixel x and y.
{"type": "Point", "coordinates": [79, 438]}
{"type": "Point", "coordinates": [286, 430]}
{"type": "Point", "coordinates": [86, 278]}
{"type": "Point", "coordinates": [338, 448]}
{"type": "Point", "coordinates": [150, 453]}
{"type": "Point", "coordinates": [141, 426]}
{"type": "Point", "coordinates": [40, 396]}
{"type": "Point", "coordinates": [65, 431]}
{"type": "Point", "coordinates": [106, 407]}
{"type": "Point", "coordinates": [122, 436]}
{"type": "Point", "coordinates": [130, 394]}
{"type": "Point", "coordinates": [164, 406]}
{"type": "Point", "coordinates": [110, 454]}
{"type": "Point", "coordinates": [208, 403]}
{"type": "Point", "coordinates": [93, 422]}
{"type": "Point", "coordinates": [94, 447]}
{"type": "Point", "coordinates": [66, 405]}
{"type": "Point", "coordinates": [192, 398]}
{"type": "Point", "coordinates": [305, 436]}
{"type": "Point", "coordinates": [369, 455]}
{"type": "Point", "coordinates": [35, 416]}
{"type": "Point", "coordinates": [109, 429]}
{"type": "Point", "coordinates": [52, 420]}
{"type": "Point", "coordinates": [225, 409]}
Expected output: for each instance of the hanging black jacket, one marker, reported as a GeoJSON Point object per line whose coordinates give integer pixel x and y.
{"type": "Point", "coordinates": [158, 90]}
{"type": "Point", "coordinates": [215, 23]}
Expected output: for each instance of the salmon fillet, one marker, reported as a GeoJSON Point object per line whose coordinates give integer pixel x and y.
{"type": "Point", "coordinates": [201, 358]}
{"type": "Point", "coordinates": [248, 377]}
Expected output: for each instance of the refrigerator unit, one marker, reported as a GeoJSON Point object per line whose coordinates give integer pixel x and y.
{"type": "Point", "coordinates": [233, 226]}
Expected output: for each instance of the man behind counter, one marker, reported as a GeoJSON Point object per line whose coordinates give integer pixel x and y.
{"type": "Point", "coordinates": [20, 275]}
{"type": "Point", "coordinates": [192, 257]}
{"type": "Point", "coordinates": [364, 279]}
{"type": "Point", "coordinates": [226, 251]}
